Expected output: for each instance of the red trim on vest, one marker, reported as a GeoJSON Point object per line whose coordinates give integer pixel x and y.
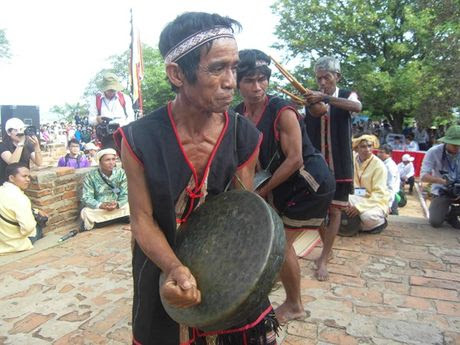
{"type": "Point", "coordinates": [261, 115]}
{"type": "Point", "coordinates": [195, 193]}
{"type": "Point", "coordinates": [196, 333]}
{"type": "Point", "coordinates": [344, 180]}
{"type": "Point", "coordinates": [275, 123]}
{"type": "Point", "coordinates": [120, 131]}
{"type": "Point", "coordinates": [135, 342]}
{"type": "Point", "coordinates": [242, 165]}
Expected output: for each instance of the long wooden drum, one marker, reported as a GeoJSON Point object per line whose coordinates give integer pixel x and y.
{"type": "Point", "coordinates": [234, 246]}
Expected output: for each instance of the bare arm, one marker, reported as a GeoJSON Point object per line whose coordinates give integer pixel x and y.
{"type": "Point", "coordinates": [36, 156]}
{"type": "Point", "coordinates": [14, 157]}
{"type": "Point", "coordinates": [246, 173]}
{"type": "Point", "coordinates": [428, 178]}
{"type": "Point", "coordinates": [342, 103]}
{"type": "Point", "coordinates": [180, 286]}
{"type": "Point", "coordinates": [291, 145]}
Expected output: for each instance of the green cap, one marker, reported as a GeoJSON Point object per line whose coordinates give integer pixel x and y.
{"type": "Point", "coordinates": [452, 136]}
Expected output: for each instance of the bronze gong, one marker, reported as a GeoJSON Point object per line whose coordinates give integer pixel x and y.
{"type": "Point", "coordinates": [234, 246]}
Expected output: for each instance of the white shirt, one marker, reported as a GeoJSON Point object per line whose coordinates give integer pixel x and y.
{"type": "Point", "coordinates": [412, 146]}
{"type": "Point", "coordinates": [393, 179]}
{"type": "Point", "coordinates": [112, 109]}
{"type": "Point", "coordinates": [353, 97]}
{"type": "Point", "coordinates": [406, 171]}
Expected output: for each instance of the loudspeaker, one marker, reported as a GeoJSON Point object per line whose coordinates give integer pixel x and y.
{"type": "Point", "coordinates": [29, 114]}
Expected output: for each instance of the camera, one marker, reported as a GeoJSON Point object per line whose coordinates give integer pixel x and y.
{"type": "Point", "coordinates": [105, 128]}
{"type": "Point", "coordinates": [31, 131]}
{"type": "Point", "coordinates": [453, 190]}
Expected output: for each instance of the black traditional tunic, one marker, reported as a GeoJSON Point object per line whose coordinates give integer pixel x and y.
{"type": "Point", "coordinates": [331, 134]}
{"type": "Point", "coordinates": [175, 192]}
{"type": "Point", "coordinates": [303, 199]}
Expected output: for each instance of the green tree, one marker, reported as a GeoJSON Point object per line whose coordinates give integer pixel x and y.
{"type": "Point", "coordinates": [402, 56]}
{"type": "Point", "coordinates": [68, 111]}
{"type": "Point", "coordinates": [156, 90]}
{"type": "Point", "coordinates": [4, 45]}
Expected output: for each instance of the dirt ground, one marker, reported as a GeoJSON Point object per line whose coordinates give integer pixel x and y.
{"type": "Point", "coordinates": [413, 207]}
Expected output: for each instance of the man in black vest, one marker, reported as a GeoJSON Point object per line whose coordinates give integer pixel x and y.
{"type": "Point", "coordinates": [331, 134]}
{"type": "Point", "coordinates": [173, 159]}
{"type": "Point", "coordinates": [301, 186]}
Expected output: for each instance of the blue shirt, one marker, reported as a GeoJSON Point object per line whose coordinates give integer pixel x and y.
{"type": "Point", "coordinates": [438, 162]}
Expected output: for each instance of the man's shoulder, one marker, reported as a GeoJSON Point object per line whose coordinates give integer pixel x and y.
{"type": "Point", "coordinates": [378, 163]}
{"type": "Point", "coordinates": [90, 175]}
{"type": "Point", "coordinates": [434, 151]}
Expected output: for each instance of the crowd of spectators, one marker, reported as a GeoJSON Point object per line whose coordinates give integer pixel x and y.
{"type": "Point", "coordinates": [412, 138]}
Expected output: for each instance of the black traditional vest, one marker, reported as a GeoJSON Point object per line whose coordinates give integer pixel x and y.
{"type": "Point", "coordinates": [339, 134]}
{"type": "Point", "coordinates": [154, 143]}
{"type": "Point", "coordinates": [315, 170]}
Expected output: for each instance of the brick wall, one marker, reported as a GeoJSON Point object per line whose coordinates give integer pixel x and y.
{"type": "Point", "coordinates": [57, 191]}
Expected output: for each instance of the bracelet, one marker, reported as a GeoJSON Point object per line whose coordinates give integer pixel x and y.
{"type": "Point", "coordinates": [20, 145]}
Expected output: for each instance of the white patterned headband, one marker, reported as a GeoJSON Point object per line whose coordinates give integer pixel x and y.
{"type": "Point", "coordinates": [261, 63]}
{"type": "Point", "coordinates": [194, 41]}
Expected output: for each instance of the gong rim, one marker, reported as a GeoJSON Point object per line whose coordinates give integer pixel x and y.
{"type": "Point", "coordinates": [209, 315]}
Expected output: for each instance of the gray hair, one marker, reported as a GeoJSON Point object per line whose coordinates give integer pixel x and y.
{"type": "Point", "coordinates": [328, 63]}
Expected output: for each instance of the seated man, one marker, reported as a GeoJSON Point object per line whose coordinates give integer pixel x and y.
{"type": "Point", "coordinates": [393, 179]}
{"type": "Point", "coordinates": [371, 198]}
{"type": "Point", "coordinates": [18, 225]}
{"type": "Point", "coordinates": [440, 168]}
{"type": "Point", "coordinates": [407, 172]}
{"type": "Point", "coordinates": [75, 158]}
{"type": "Point", "coordinates": [105, 193]}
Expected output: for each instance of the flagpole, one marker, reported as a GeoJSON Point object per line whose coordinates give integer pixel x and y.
{"type": "Point", "coordinates": [136, 69]}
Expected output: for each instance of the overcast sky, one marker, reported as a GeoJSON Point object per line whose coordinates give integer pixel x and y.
{"type": "Point", "coordinates": [58, 46]}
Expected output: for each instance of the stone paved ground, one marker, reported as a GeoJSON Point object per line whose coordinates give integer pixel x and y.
{"type": "Point", "coordinates": [400, 287]}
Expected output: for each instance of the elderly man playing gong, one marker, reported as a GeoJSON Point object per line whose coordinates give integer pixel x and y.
{"type": "Point", "coordinates": [331, 135]}
{"type": "Point", "coordinates": [370, 201]}
{"type": "Point", "coordinates": [174, 159]}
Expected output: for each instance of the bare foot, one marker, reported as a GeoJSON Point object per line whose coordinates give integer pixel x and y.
{"type": "Point", "coordinates": [285, 313]}
{"type": "Point", "coordinates": [321, 273]}
{"type": "Point", "coordinates": [318, 259]}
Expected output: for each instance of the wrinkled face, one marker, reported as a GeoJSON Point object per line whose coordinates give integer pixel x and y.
{"type": "Point", "coordinates": [364, 150]}
{"type": "Point", "coordinates": [327, 81]}
{"type": "Point", "coordinates": [253, 88]}
{"type": "Point", "coordinates": [216, 78]}
{"type": "Point", "coordinates": [107, 163]}
{"type": "Point", "coordinates": [74, 149]}
{"type": "Point", "coordinates": [21, 179]}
